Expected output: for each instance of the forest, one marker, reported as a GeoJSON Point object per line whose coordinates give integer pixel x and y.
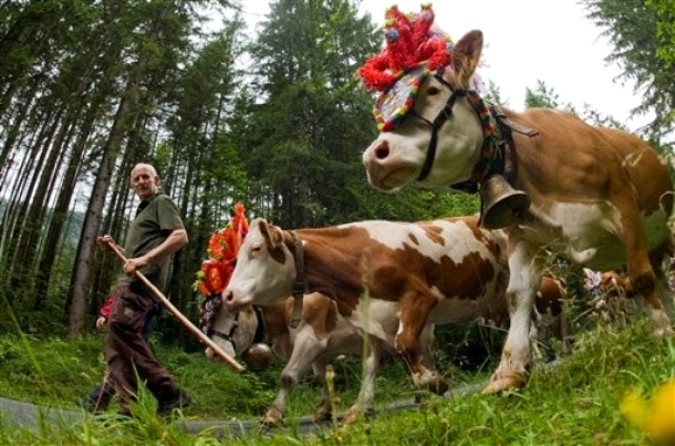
{"type": "Point", "coordinates": [276, 121]}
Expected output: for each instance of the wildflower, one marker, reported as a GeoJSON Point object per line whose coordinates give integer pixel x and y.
{"type": "Point", "coordinates": [656, 419]}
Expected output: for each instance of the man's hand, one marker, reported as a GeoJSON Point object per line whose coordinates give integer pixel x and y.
{"type": "Point", "coordinates": [101, 322]}
{"type": "Point", "coordinates": [132, 265]}
{"type": "Point", "coordinates": [105, 241]}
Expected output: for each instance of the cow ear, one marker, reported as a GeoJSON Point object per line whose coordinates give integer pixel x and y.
{"type": "Point", "coordinates": [466, 55]}
{"type": "Point", "coordinates": [276, 236]}
{"type": "Point", "coordinates": [272, 234]}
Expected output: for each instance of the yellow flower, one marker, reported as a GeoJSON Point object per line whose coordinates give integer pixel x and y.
{"type": "Point", "coordinates": [656, 419]}
{"type": "Point", "coordinates": [635, 409]}
{"type": "Point", "coordinates": [662, 422]}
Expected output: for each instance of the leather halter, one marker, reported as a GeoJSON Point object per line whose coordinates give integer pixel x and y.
{"type": "Point", "coordinates": [229, 337]}
{"type": "Point", "coordinates": [438, 122]}
{"type": "Point", "coordinates": [300, 286]}
{"type": "Point", "coordinates": [498, 151]}
{"type": "Point", "coordinates": [259, 335]}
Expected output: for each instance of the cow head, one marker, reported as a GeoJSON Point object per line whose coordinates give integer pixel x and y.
{"type": "Point", "coordinates": [232, 331]}
{"type": "Point", "coordinates": [264, 270]}
{"type": "Point", "coordinates": [402, 154]}
{"type": "Point", "coordinates": [235, 333]}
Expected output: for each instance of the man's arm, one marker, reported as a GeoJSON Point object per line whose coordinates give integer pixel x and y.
{"type": "Point", "coordinates": [175, 241]}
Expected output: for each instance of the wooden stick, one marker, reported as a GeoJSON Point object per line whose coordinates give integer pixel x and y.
{"type": "Point", "coordinates": [185, 321]}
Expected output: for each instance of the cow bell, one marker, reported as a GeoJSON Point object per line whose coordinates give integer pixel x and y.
{"type": "Point", "coordinates": [501, 204]}
{"type": "Point", "coordinates": [258, 357]}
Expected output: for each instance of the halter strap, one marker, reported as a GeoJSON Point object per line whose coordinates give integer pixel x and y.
{"type": "Point", "coordinates": [443, 116]}
{"type": "Point", "coordinates": [227, 336]}
{"type": "Point", "coordinates": [259, 335]}
{"type": "Point", "coordinates": [498, 151]}
{"type": "Point", "coordinates": [300, 286]}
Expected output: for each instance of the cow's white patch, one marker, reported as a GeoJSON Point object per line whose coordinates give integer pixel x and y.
{"type": "Point", "coordinates": [592, 233]}
{"type": "Point", "coordinates": [458, 239]}
{"type": "Point", "coordinates": [378, 318]}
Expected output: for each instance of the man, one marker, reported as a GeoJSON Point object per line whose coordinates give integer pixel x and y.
{"type": "Point", "coordinates": [155, 234]}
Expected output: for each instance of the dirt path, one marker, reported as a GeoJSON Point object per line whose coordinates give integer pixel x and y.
{"type": "Point", "coordinates": [30, 416]}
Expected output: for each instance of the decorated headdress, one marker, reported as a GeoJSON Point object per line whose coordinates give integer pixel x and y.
{"type": "Point", "coordinates": [413, 49]}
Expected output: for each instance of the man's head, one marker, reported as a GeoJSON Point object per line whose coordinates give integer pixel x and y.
{"type": "Point", "coordinates": [144, 180]}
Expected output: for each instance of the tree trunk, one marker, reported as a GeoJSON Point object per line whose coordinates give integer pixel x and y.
{"type": "Point", "coordinates": [80, 281]}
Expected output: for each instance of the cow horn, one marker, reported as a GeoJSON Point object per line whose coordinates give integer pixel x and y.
{"type": "Point", "coordinates": [501, 204]}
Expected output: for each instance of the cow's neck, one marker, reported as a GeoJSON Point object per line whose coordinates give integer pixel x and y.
{"type": "Point", "coordinates": [336, 276]}
{"type": "Point", "coordinates": [498, 154]}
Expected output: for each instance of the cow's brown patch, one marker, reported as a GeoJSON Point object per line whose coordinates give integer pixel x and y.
{"type": "Point", "coordinates": [433, 233]}
{"type": "Point", "coordinates": [320, 313]}
{"type": "Point", "coordinates": [273, 241]}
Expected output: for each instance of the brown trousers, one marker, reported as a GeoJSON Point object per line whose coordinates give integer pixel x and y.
{"type": "Point", "coordinates": [127, 352]}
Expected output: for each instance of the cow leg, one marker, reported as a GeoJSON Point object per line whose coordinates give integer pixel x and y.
{"type": "Point", "coordinates": [325, 409]}
{"type": "Point", "coordinates": [364, 402]}
{"type": "Point", "coordinates": [663, 288]}
{"type": "Point", "coordinates": [306, 350]}
{"type": "Point", "coordinates": [425, 376]}
{"type": "Point", "coordinates": [415, 309]}
{"type": "Point", "coordinates": [524, 279]}
{"type": "Point", "coordinates": [640, 272]}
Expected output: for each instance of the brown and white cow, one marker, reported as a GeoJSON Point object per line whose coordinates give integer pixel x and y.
{"type": "Point", "coordinates": [440, 271]}
{"type": "Point", "coordinates": [449, 267]}
{"type": "Point", "coordinates": [599, 194]}
{"type": "Point", "coordinates": [321, 335]}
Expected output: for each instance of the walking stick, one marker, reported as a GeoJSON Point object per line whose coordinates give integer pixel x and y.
{"type": "Point", "coordinates": [185, 321]}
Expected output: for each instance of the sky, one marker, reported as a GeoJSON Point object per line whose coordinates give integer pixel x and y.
{"type": "Point", "coordinates": [526, 41]}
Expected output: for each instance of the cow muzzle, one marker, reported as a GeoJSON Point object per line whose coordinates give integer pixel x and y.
{"type": "Point", "coordinates": [385, 172]}
{"type": "Point", "coordinates": [230, 301]}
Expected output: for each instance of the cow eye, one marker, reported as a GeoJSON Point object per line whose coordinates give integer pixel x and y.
{"type": "Point", "coordinates": [256, 248]}
{"type": "Point", "coordinates": [433, 91]}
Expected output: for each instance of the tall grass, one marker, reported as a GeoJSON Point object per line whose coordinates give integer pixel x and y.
{"type": "Point", "coordinates": [574, 402]}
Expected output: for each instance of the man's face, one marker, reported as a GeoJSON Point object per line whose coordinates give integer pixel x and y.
{"type": "Point", "coordinates": [144, 181]}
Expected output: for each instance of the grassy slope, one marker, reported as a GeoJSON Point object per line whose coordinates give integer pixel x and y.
{"type": "Point", "coordinates": [576, 402]}
{"type": "Point", "coordinates": [56, 373]}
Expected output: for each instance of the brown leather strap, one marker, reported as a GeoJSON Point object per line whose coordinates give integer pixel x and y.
{"type": "Point", "coordinates": [300, 286]}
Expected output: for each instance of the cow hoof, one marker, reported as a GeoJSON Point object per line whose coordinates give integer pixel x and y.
{"type": "Point", "coordinates": [664, 333]}
{"type": "Point", "coordinates": [272, 419]}
{"type": "Point", "coordinates": [504, 383]}
{"type": "Point", "coordinates": [352, 416]}
{"type": "Point", "coordinates": [431, 381]}
{"type": "Point", "coordinates": [322, 415]}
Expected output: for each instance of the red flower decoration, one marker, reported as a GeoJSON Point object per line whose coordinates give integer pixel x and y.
{"type": "Point", "coordinates": [215, 272]}
{"type": "Point", "coordinates": [410, 43]}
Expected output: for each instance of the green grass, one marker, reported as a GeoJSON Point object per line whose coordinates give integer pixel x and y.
{"type": "Point", "coordinates": [574, 403]}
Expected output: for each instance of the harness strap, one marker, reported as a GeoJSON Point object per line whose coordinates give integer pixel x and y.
{"type": "Point", "coordinates": [227, 336]}
{"type": "Point", "coordinates": [521, 129]}
{"type": "Point", "coordinates": [260, 329]}
{"type": "Point", "coordinates": [300, 286]}
{"type": "Point", "coordinates": [499, 151]}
